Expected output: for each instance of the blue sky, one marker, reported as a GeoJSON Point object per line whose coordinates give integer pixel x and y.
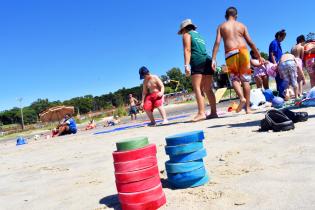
{"type": "Point", "coordinates": [59, 49]}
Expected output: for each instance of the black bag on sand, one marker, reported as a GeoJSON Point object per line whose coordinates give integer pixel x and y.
{"type": "Point", "coordinates": [295, 116]}
{"type": "Point", "coordinates": [277, 121]}
{"type": "Point", "coordinates": [264, 125]}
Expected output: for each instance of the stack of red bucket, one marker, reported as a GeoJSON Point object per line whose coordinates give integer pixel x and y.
{"type": "Point", "coordinates": [137, 177]}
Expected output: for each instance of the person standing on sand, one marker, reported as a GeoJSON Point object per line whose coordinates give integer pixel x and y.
{"type": "Point", "coordinates": [198, 66]}
{"type": "Point", "coordinates": [298, 51]}
{"type": "Point", "coordinates": [275, 53]}
{"type": "Point", "coordinates": [133, 107]}
{"type": "Point", "coordinates": [309, 57]}
{"type": "Point", "coordinates": [152, 95]}
{"type": "Point", "coordinates": [235, 37]}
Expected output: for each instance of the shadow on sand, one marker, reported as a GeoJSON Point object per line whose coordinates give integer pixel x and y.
{"type": "Point", "coordinates": [111, 201]}
{"type": "Point", "coordinates": [239, 125]}
{"type": "Point", "coordinates": [311, 116]}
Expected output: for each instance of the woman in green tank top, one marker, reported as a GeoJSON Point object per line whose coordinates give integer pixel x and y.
{"type": "Point", "coordinates": [198, 66]}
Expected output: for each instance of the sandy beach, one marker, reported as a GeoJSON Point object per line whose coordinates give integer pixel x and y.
{"type": "Point", "coordinates": [248, 169]}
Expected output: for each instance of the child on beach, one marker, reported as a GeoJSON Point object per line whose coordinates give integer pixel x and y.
{"type": "Point", "coordinates": [298, 51]}
{"type": "Point", "coordinates": [152, 95]}
{"type": "Point", "coordinates": [260, 72]}
{"type": "Point", "coordinates": [289, 69]}
{"type": "Point", "coordinates": [309, 57]}
{"type": "Point", "coordinates": [235, 37]}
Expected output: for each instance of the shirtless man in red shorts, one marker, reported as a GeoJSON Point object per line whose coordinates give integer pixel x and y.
{"type": "Point", "coordinates": [152, 95]}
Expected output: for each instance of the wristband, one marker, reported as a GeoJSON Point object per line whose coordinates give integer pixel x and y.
{"type": "Point", "coordinates": [187, 65]}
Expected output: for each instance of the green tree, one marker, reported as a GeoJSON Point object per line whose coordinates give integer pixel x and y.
{"type": "Point", "coordinates": [264, 55]}
{"type": "Point", "coordinates": [175, 74]}
{"type": "Point", "coordinates": [168, 90]}
{"type": "Point", "coordinates": [29, 116]}
{"type": "Point", "coordinates": [40, 105]}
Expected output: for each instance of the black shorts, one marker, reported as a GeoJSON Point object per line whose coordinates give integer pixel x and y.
{"type": "Point", "coordinates": [69, 131]}
{"type": "Point", "coordinates": [204, 68]}
{"type": "Point", "coordinates": [133, 110]}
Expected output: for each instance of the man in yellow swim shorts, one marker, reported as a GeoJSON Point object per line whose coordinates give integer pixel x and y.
{"type": "Point", "coordinates": [235, 37]}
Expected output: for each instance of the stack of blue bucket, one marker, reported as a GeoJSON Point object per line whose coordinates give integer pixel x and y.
{"type": "Point", "coordinates": [186, 168]}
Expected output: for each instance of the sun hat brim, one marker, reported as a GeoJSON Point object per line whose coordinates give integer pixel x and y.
{"type": "Point", "coordinates": [181, 30]}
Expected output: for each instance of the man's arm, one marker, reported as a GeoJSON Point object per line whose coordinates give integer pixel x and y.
{"type": "Point", "coordinates": [302, 53]}
{"type": "Point", "coordinates": [251, 44]}
{"type": "Point", "coordinates": [161, 85]}
{"type": "Point", "coordinates": [136, 101]}
{"type": "Point", "coordinates": [144, 92]}
{"type": "Point", "coordinates": [187, 52]}
{"type": "Point", "coordinates": [216, 48]}
{"type": "Point", "coordinates": [312, 50]}
{"type": "Point", "coordinates": [273, 59]}
{"type": "Point", "coordinates": [272, 55]}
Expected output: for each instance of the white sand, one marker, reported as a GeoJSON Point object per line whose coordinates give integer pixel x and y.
{"type": "Point", "coordinates": [249, 170]}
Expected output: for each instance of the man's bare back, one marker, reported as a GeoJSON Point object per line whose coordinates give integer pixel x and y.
{"type": "Point", "coordinates": [153, 84]}
{"type": "Point", "coordinates": [286, 57]}
{"type": "Point", "coordinates": [298, 51]}
{"type": "Point", "coordinates": [233, 33]}
{"type": "Point", "coordinates": [235, 37]}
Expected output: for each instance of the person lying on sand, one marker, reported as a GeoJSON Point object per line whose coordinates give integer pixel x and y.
{"type": "Point", "coordinates": [115, 120]}
{"type": "Point", "coordinates": [90, 125]}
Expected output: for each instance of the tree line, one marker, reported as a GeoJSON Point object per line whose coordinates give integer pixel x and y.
{"type": "Point", "coordinates": [90, 103]}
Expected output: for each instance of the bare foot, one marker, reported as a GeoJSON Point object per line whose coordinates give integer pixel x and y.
{"type": "Point", "coordinates": [199, 117]}
{"type": "Point", "coordinates": [249, 111]}
{"type": "Point", "coordinates": [240, 106]}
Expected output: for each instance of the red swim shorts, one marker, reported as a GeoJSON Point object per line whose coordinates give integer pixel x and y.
{"type": "Point", "coordinates": [152, 101]}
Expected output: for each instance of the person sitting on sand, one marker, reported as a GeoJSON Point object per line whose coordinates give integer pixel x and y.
{"type": "Point", "coordinates": [90, 125]}
{"type": "Point", "coordinates": [68, 126]}
{"type": "Point", "coordinates": [152, 95]}
{"type": "Point", "coordinates": [289, 69]}
{"type": "Point", "coordinates": [235, 36]}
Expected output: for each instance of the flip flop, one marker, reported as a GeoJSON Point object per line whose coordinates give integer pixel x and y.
{"type": "Point", "coordinates": [152, 124]}
{"type": "Point", "coordinates": [208, 117]}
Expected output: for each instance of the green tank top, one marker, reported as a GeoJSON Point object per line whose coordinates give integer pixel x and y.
{"type": "Point", "coordinates": [198, 49]}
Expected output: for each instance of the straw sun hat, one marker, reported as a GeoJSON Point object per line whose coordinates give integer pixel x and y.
{"type": "Point", "coordinates": [184, 24]}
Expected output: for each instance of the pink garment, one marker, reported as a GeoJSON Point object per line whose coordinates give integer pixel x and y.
{"type": "Point", "coordinates": [260, 71]}
{"type": "Point", "coordinates": [271, 69]}
{"type": "Point", "coordinates": [299, 62]}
